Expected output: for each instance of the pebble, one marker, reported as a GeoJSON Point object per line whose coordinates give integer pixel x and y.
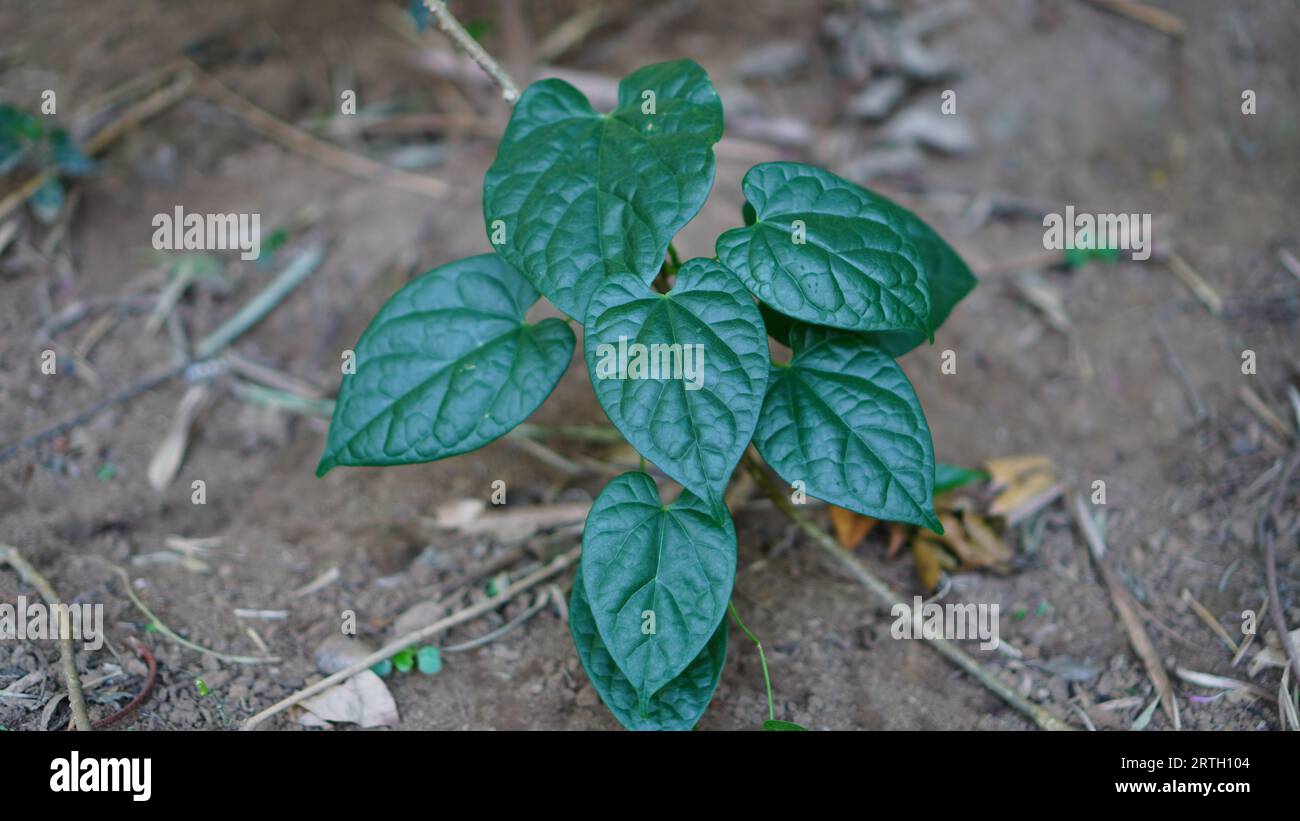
{"type": "Point", "coordinates": [776, 60]}
{"type": "Point", "coordinates": [876, 101]}
{"type": "Point", "coordinates": [922, 124]}
{"type": "Point", "coordinates": [339, 652]}
{"type": "Point", "coordinates": [879, 162]}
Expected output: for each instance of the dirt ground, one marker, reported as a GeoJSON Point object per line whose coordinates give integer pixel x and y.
{"type": "Point", "coordinates": [1067, 105]}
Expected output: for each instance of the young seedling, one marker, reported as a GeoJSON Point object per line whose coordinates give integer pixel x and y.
{"type": "Point", "coordinates": [427, 660]}
{"type": "Point", "coordinates": [26, 141]}
{"type": "Point", "coordinates": [581, 207]}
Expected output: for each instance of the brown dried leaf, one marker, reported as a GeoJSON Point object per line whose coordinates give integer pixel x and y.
{"type": "Point", "coordinates": [926, 554]}
{"type": "Point", "coordinates": [850, 528]}
{"type": "Point", "coordinates": [897, 538]}
{"type": "Point", "coordinates": [954, 536]}
{"type": "Point", "coordinates": [363, 699]}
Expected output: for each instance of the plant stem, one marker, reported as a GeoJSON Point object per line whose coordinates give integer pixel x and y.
{"type": "Point", "coordinates": [1269, 535]}
{"type": "Point", "coordinates": [453, 29]}
{"type": "Point", "coordinates": [885, 594]}
{"type": "Point", "coordinates": [762, 659]}
{"type": "Point", "coordinates": [676, 260]}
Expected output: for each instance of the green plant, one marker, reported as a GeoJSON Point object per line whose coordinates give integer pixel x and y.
{"type": "Point", "coordinates": [581, 207]}
{"type": "Point", "coordinates": [25, 140]}
{"type": "Point", "coordinates": [426, 659]}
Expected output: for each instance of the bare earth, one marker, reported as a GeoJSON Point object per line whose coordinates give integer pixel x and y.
{"type": "Point", "coordinates": [1070, 106]}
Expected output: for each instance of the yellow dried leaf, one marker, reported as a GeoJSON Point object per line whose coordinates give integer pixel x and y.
{"type": "Point", "coordinates": [926, 555]}
{"type": "Point", "coordinates": [1006, 469]}
{"type": "Point", "coordinates": [985, 540]}
{"type": "Point", "coordinates": [1020, 492]}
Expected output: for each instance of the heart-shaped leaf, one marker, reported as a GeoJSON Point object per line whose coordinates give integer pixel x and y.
{"type": "Point", "coordinates": [575, 194]}
{"type": "Point", "coordinates": [682, 374]}
{"type": "Point", "coordinates": [842, 419]}
{"type": "Point", "coordinates": [658, 576]}
{"type": "Point", "coordinates": [447, 365]}
{"type": "Point", "coordinates": [950, 281]}
{"type": "Point", "coordinates": [677, 706]}
{"type": "Point", "coordinates": [829, 252]}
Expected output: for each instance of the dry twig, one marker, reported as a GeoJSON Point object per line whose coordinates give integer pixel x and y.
{"type": "Point", "coordinates": [1266, 414]}
{"type": "Point", "coordinates": [1209, 619]}
{"type": "Point", "coordinates": [1149, 16]}
{"type": "Point", "coordinates": [1195, 283]}
{"type": "Point", "coordinates": [1126, 606]}
{"type": "Point", "coordinates": [1268, 534]}
{"type": "Point", "coordinates": [10, 555]}
{"type": "Point", "coordinates": [300, 141]}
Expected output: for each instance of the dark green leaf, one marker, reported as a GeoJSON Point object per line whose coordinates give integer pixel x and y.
{"type": "Point", "coordinates": [677, 706]}
{"type": "Point", "coordinates": [829, 252]}
{"type": "Point", "coordinates": [446, 366]}
{"type": "Point", "coordinates": [658, 576]}
{"type": "Point", "coordinates": [778, 325]}
{"type": "Point", "coordinates": [950, 477]}
{"type": "Point", "coordinates": [581, 194]}
{"type": "Point", "coordinates": [68, 156]}
{"type": "Point", "coordinates": [11, 153]}
{"type": "Point", "coordinates": [681, 374]}
{"type": "Point", "coordinates": [19, 125]}
{"type": "Point", "coordinates": [776, 725]}
{"type": "Point", "coordinates": [950, 281]}
{"type": "Point", "coordinates": [47, 201]}
{"type": "Point", "coordinates": [843, 419]}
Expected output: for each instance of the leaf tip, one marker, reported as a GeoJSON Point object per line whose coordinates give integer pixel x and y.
{"type": "Point", "coordinates": [932, 522]}
{"type": "Point", "coordinates": [327, 463]}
